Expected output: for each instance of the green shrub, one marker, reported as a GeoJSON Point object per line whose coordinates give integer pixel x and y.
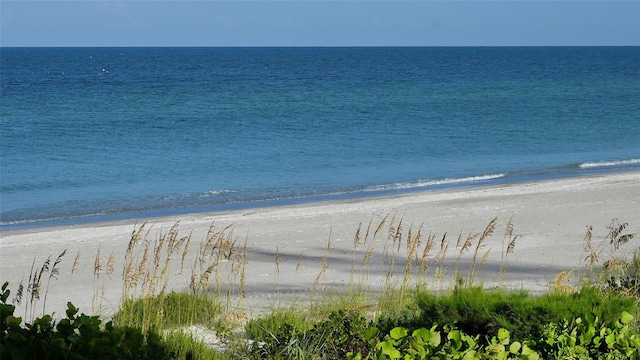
{"type": "Point", "coordinates": [274, 333]}
{"type": "Point", "coordinates": [622, 276]}
{"type": "Point", "coordinates": [288, 334]}
{"type": "Point", "coordinates": [73, 337]}
{"type": "Point", "coordinates": [341, 333]}
{"type": "Point", "coordinates": [591, 338]}
{"type": "Point", "coordinates": [478, 312]}
{"type": "Point", "coordinates": [184, 346]}
{"type": "Point", "coordinates": [432, 343]}
{"type": "Point", "coordinates": [587, 338]}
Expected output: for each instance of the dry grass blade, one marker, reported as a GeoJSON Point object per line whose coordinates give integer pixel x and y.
{"type": "Point", "coordinates": [185, 251]}
{"type": "Point", "coordinates": [624, 239]}
{"type": "Point", "coordinates": [380, 225]}
{"type": "Point", "coordinates": [508, 232]}
{"type": "Point", "coordinates": [357, 240]}
{"type": "Point", "coordinates": [489, 229]}
{"type": "Point", "coordinates": [366, 236]}
{"type": "Point", "coordinates": [485, 257]}
{"type": "Point", "coordinates": [204, 279]}
{"type": "Point", "coordinates": [324, 265]}
{"type": "Point", "coordinates": [398, 234]}
{"type": "Point", "coordinates": [367, 256]}
{"type": "Point", "coordinates": [467, 242]}
{"type": "Point", "coordinates": [443, 241]}
{"type": "Point", "coordinates": [299, 263]}
{"type": "Point", "coordinates": [35, 287]}
{"type": "Point", "coordinates": [245, 261]}
{"type": "Point", "coordinates": [17, 300]}
{"type": "Point", "coordinates": [210, 241]}
{"type": "Point", "coordinates": [562, 283]}
{"type": "Point", "coordinates": [136, 235]}
{"type": "Point", "coordinates": [55, 271]}
{"type": "Point", "coordinates": [587, 239]}
{"type": "Point", "coordinates": [459, 244]}
{"type": "Point", "coordinates": [32, 275]}
{"type": "Point", "coordinates": [485, 234]}
{"type": "Point", "coordinates": [615, 230]}
{"type": "Point", "coordinates": [512, 244]}
{"type": "Point", "coordinates": [193, 280]}
{"type": "Point", "coordinates": [277, 260]}
{"type": "Point", "coordinates": [109, 269]}
{"type": "Point", "coordinates": [591, 259]}
{"type": "Point", "coordinates": [44, 269]}
{"type": "Point", "coordinates": [158, 251]}
{"type": "Point", "coordinates": [173, 237]}
{"type": "Point", "coordinates": [444, 248]}
{"type": "Point", "coordinates": [142, 267]}
{"type": "Point", "coordinates": [413, 242]}
{"type": "Point", "coordinates": [243, 282]}
{"type": "Point", "coordinates": [616, 239]}
{"type": "Point", "coordinates": [424, 261]}
{"type": "Point", "coordinates": [97, 267]}
{"type": "Point", "coordinates": [76, 261]}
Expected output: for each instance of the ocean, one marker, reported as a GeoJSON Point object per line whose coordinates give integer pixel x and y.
{"type": "Point", "coordinates": [96, 134]}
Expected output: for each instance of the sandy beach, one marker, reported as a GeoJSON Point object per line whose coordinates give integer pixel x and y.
{"type": "Point", "coordinates": [290, 253]}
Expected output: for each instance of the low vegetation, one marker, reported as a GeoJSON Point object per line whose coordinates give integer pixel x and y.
{"type": "Point", "coordinates": [595, 317]}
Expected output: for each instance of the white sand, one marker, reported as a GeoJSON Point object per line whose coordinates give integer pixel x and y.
{"type": "Point", "coordinates": [551, 216]}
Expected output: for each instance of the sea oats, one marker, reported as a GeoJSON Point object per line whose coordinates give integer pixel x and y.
{"type": "Point", "coordinates": [76, 261]}
{"type": "Point", "coordinates": [380, 225]}
{"type": "Point", "coordinates": [357, 240]}
{"type": "Point", "coordinates": [299, 263]}
{"type": "Point", "coordinates": [277, 260]}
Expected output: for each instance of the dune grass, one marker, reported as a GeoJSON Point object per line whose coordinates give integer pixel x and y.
{"type": "Point", "coordinates": [416, 264]}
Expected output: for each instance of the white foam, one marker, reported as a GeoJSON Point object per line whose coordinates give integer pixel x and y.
{"type": "Point", "coordinates": [216, 192]}
{"type": "Point", "coordinates": [425, 183]}
{"type": "Point", "coordinates": [609, 163]}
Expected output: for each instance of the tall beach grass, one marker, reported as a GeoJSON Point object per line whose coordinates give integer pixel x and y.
{"type": "Point", "coordinates": [412, 259]}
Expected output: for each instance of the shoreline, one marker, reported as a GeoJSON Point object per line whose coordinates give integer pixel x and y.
{"type": "Point", "coordinates": [367, 192]}
{"type": "Point", "coordinates": [551, 217]}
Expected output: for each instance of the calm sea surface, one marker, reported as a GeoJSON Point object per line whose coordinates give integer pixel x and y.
{"type": "Point", "coordinates": [91, 134]}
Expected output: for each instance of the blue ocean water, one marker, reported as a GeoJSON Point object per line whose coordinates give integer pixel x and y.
{"type": "Point", "coordinates": [89, 134]}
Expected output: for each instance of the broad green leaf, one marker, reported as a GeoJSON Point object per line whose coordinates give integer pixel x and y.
{"type": "Point", "coordinates": [471, 341]}
{"type": "Point", "coordinates": [515, 347]}
{"type": "Point", "coordinates": [529, 354]}
{"type": "Point", "coordinates": [417, 351]}
{"type": "Point", "coordinates": [370, 332]}
{"type": "Point", "coordinates": [388, 349]}
{"type": "Point", "coordinates": [610, 340]}
{"type": "Point", "coordinates": [470, 355]}
{"type": "Point", "coordinates": [503, 336]}
{"type": "Point", "coordinates": [455, 335]}
{"type": "Point", "coordinates": [456, 339]}
{"type": "Point", "coordinates": [422, 335]}
{"type": "Point", "coordinates": [398, 333]}
{"type": "Point", "coordinates": [435, 338]}
{"type": "Point", "coordinates": [626, 318]}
